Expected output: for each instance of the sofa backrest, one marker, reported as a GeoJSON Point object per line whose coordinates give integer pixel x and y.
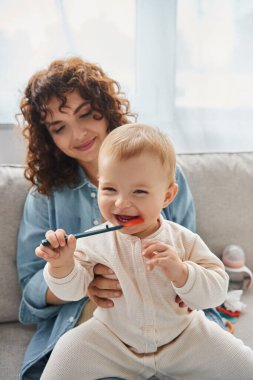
{"type": "Point", "coordinates": [13, 189]}
{"type": "Point", "coordinates": [222, 187]}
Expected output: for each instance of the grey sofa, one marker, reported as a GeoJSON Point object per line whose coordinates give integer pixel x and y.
{"type": "Point", "coordinates": [222, 186]}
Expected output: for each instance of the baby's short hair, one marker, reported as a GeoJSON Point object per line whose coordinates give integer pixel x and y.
{"type": "Point", "coordinates": [132, 140]}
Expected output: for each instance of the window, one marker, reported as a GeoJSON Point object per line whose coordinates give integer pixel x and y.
{"type": "Point", "coordinates": [214, 75]}
{"type": "Point", "coordinates": [195, 72]}
{"type": "Point", "coordinates": [186, 66]}
{"type": "Point", "coordinates": [32, 33]}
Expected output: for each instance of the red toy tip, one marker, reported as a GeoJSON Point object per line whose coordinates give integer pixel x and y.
{"type": "Point", "coordinates": [133, 222]}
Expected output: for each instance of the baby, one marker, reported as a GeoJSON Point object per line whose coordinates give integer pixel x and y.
{"type": "Point", "coordinates": [145, 333]}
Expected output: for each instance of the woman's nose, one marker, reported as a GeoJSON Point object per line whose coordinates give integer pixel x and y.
{"type": "Point", "coordinates": [79, 131]}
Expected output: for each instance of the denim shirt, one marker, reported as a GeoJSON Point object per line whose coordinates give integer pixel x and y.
{"type": "Point", "coordinates": [74, 210]}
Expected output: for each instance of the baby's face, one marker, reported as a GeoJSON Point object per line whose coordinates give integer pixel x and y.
{"type": "Point", "coordinates": [134, 188]}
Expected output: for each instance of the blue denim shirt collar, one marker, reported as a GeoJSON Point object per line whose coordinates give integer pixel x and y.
{"type": "Point", "coordinates": [83, 179]}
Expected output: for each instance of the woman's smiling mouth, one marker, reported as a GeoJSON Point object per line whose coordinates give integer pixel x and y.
{"type": "Point", "coordinates": [85, 146]}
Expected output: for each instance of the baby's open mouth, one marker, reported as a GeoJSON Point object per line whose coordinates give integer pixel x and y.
{"type": "Point", "coordinates": [123, 219]}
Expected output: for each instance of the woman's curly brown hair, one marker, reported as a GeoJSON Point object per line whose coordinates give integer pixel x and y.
{"type": "Point", "coordinates": [48, 167]}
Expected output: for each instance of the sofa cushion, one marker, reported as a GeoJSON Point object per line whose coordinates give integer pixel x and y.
{"type": "Point", "coordinates": [13, 188]}
{"type": "Point", "coordinates": [222, 187]}
{"type": "Point", "coordinates": [14, 339]}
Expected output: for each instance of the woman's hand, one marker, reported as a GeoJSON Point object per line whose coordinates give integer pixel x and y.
{"type": "Point", "coordinates": [181, 303]}
{"type": "Point", "coordinates": [101, 289]}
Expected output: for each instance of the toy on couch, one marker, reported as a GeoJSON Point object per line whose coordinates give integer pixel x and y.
{"type": "Point", "coordinates": [240, 276]}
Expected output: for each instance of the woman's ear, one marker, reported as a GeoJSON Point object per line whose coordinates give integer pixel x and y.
{"type": "Point", "coordinates": [170, 194]}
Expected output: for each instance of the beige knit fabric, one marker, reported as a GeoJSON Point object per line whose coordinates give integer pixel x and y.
{"type": "Point", "coordinates": [146, 333]}
{"type": "Point", "coordinates": [147, 306]}
{"type": "Point", "coordinates": [203, 351]}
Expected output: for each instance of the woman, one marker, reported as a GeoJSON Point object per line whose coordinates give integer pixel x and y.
{"type": "Point", "coordinates": [68, 110]}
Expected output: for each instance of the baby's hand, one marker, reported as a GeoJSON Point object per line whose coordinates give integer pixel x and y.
{"type": "Point", "coordinates": [60, 252]}
{"type": "Point", "coordinates": [166, 258]}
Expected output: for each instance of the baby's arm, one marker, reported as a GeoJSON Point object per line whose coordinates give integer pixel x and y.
{"type": "Point", "coordinates": [66, 277]}
{"type": "Point", "coordinates": [205, 283]}
{"type": "Point", "coordinates": [166, 258]}
{"type": "Point", "coordinates": [60, 253]}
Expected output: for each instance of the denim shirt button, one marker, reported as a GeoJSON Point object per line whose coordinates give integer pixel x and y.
{"type": "Point", "coordinates": [71, 319]}
{"type": "Point", "coordinates": [95, 222]}
{"type": "Point", "coordinates": [93, 195]}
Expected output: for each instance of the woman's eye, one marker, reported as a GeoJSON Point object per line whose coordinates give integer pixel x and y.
{"type": "Point", "coordinates": [59, 129]}
{"type": "Point", "coordinates": [86, 114]}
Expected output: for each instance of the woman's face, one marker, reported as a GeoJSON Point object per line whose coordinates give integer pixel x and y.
{"type": "Point", "coordinates": [74, 129]}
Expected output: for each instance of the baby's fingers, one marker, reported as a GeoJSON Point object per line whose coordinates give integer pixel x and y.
{"type": "Point", "coordinates": [56, 238]}
{"type": "Point", "coordinates": [71, 242]}
{"type": "Point", "coordinates": [157, 261]}
{"type": "Point", "coordinates": [151, 264]}
{"type": "Point", "coordinates": [152, 249]}
{"type": "Point", "coordinates": [46, 253]}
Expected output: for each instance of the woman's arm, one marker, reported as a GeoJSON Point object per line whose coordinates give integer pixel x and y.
{"type": "Point", "coordinates": [51, 298]}
{"type": "Point", "coordinates": [37, 301]}
{"type": "Point", "coordinates": [34, 223]}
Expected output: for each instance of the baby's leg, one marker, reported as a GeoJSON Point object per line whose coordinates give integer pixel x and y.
{"type": "Point", "coordinates": [91, 351]}
{"type": "Point", "coordinates": [205, 351]}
